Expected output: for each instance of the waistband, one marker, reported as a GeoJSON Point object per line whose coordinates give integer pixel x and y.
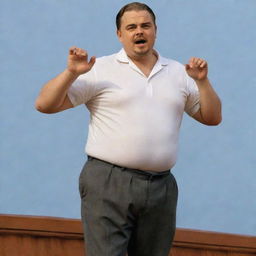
{"type": "Point", "coordinates": [149, 175]}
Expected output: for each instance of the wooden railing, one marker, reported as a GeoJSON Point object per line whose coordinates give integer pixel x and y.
{"type": "Point", "coordinates": [41, 236]}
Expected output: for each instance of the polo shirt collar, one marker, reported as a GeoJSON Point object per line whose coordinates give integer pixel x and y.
{"type": "Point", "coordinates": [122, 57]}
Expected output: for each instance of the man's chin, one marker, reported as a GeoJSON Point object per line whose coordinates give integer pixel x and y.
{"type": "Point", "coordinates": [141, 52]}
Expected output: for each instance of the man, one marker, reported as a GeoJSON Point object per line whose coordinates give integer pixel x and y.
{"type": "Point", "coordinates": [136, 99]}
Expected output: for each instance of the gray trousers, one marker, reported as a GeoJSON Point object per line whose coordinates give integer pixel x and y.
{"type": "Point", "coordinates": [127, 210]}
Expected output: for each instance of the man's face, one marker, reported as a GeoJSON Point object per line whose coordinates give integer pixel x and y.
{"type": "Point", "coordinates": [137, 33]}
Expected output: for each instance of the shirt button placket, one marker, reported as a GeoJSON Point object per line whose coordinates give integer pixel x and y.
{"type": "Point", "coordinates": [149, 89]}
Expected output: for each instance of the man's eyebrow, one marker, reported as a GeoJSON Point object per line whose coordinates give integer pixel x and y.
{"type": "Point", "coordinates": [131, 25]}
{"type": "Point", "coordinates": [147, 23]}
{"type": "Point", "coordinates": [134, 25]}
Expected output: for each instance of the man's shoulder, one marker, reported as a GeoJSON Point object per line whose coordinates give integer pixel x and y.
{"type": "Point", "coordinates": [106, 58]}
{"type": "Point", "coordinates": [173, 65]}
{"type": "Point", "coordinates": [172, 62]}
{"type": "Point", "coordinates": [106, 64]}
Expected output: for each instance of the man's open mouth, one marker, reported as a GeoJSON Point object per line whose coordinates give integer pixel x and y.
{"type": "Point", "coordinates": [140, 41]}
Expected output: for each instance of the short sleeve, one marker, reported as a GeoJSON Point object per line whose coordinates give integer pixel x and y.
{"type": "Point", "coordinates": [193, 97]}
{"type": "Point", "coordinates": [82, 89]}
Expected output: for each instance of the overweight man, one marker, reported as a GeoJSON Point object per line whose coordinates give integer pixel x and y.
{"type": "Point", "coordinates": [136, 100]}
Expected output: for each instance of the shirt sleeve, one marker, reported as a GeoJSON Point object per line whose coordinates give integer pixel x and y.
{"type": "Point", "coordinates": [193, 98]}
{"type": "Point", "coordinates": [82, 89]}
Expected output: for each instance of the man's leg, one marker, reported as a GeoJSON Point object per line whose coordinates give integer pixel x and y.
{"type": "Point", "coordinates": [105, 201]}
{"type": "Point", "coordinates": [121, 206]}
{"type": "Point", "coordinates": [156, 226]}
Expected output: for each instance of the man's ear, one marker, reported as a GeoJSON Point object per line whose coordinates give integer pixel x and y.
{"type": "Point", "coordinates": [119, 35]}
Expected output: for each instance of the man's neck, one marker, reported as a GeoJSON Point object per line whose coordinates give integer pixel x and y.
{"type": "Point", "coordinates": [145, 62]}
{"type": "Point", "coordinates": [150, 57]}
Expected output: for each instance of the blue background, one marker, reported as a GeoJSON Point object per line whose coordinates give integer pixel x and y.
{"type": "Point", "coordinates": [41, 155]}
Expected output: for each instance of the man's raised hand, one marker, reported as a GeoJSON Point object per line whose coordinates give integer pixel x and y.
{"type": "Point", "coordinates": [78, 61]}
{"type": "Point", "coordinates": [197, 69]}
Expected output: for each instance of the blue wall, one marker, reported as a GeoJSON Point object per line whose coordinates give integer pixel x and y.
{"type": "Point", "coordinates": [41, 155]}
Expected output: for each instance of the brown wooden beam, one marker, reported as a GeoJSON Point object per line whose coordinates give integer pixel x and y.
{"type": "Point", "coordinates": [186, 242]}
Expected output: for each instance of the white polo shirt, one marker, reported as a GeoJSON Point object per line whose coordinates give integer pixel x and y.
{"type": "Point", "coordinates": [135, 120]}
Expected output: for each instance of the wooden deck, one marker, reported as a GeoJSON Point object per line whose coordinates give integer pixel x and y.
{"type": "Point", "coordinates": [41, 236]}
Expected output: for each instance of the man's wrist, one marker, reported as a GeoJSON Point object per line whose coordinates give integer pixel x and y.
{"type": "Point", "coordinates": [202, 82]}
{"type": "Point", "coordinates": [70, 74]}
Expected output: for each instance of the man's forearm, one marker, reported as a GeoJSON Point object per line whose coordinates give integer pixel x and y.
{"type": "Point", "coordinates": [53, 93]}
{"type": "Point", "coordinates": [210, 104]}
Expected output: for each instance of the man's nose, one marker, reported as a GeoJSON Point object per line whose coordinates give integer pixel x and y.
{"type": "Point", "coordinates": [139, 30]}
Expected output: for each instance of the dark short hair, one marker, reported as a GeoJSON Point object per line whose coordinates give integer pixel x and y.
{"type": "Point", "coordinates": [135, 6]}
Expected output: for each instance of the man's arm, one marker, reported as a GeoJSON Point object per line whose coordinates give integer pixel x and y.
{"type": "Point", "coordinates": [210, 104]}
{"type": "Point", "coordinates": [53, 96]}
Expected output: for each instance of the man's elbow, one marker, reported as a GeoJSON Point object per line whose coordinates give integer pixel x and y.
{"type": "Point", "coordinates": [214, 122]}
{"type": "Point", "coordinates": [43, 108]}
